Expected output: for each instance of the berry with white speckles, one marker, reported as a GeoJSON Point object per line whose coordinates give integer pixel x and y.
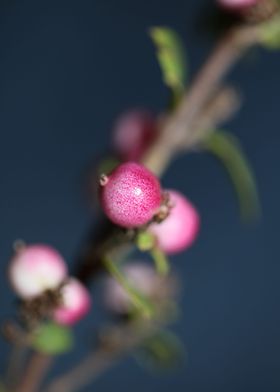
{"type": "Point", "coordinates": [36, 268]}
{"type": "Point", "coordinates": [237, 5]}
{"type": "Point", "coordinates": [133, 133]}
{"type": "Point", "coordinates": [75, 305]}
{"type": "Point", "coordinates": [179, 230]}
{"type": "Point", "coordinates": [131, 195]}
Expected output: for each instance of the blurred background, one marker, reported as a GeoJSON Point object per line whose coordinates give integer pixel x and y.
{"type": "Point", "coordinates": [67, 70]}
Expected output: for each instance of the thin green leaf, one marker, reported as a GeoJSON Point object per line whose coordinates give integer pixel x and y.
{"type": "Point", "coordinates": [52, 339]}
{"type": "Point", "coordinates": [228, 150]}
{"type": "Point", "coordinates": [107, 165]}
{"type": "Point", "coordinates": [138, 299]}
{"type": "Point", "coordinates": [171, 57]}
{"type": "Point", "coordinates": [161, 261]}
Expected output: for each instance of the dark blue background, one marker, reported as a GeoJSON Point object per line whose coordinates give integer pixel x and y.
{"type": "Point", "coordinates": [67, 69]}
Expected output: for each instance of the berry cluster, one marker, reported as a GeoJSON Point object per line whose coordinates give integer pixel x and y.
{"type": "Point", "coordinates": [37, 269]}
{"type": "Point", "coordinates": [131, 197]}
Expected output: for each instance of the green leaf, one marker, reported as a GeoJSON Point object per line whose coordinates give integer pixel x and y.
{"type": "Point", "coordinates": [161, 352]}
{"type": "Point", "coordinates": [107, 165]}
{"type": "Point", "coordinates": [270, 34]}
{"type": "Point", "coordinates": [228, 150]}
{"type": "Point", "coordinates": [171, 58]}
{"type": "Point", "coordinates": [52, 339]}
{"type": "Point", "coordinates": [138, 299]}
{"type": "Point", "coordinates": [161, 261]}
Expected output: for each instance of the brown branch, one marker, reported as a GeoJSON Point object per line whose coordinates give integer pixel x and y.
{"type": "Point", "coordinates": [37, 367]}
{"type": "Point", "coordinates": [119, 341]}
{"type": "Point", "coordinates": [180, 124]}
{"type": "Point", "coordinates": [221, 108]}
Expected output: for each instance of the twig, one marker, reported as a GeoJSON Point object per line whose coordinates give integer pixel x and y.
{"type": "Point", "coordinates": [180, 126]}
{"type": "Point", "coordinates": [17, 356]}
{"type": "Point", "coordinates": [221, 108]}
{"type": "Point", "coordinates": [37, 367]}
{"type": "Point", "coordinates": [119, 341]}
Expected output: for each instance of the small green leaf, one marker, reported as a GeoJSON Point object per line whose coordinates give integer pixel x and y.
{"type": "Point", "coordinates": [52, 339]}
{"type": "Point", "coordinates": [270, 34]}
{"type": "Point", "coordinates": [161, 352]}
{"type": "Point", "coordinates": [145, 241]}
{"type": "Point", "coordinates": [107, 165]}
{"type": "Point", "coordinates": [161, 261]}
{"type": "Point", "coordinates": [228, 150]}
{"type": "Point", "coordinates": [138, 299]}
{"type": "Point", "coordinates": [171, 58]}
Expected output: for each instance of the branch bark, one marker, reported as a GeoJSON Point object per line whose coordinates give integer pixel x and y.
{"type": "Point", "coordinates": [180, 125]}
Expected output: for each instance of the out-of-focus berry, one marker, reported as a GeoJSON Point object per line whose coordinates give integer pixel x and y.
{"type": "Point", "coordinates": [76, 302]}
{"type": "Point", "coordinates": [237, 5]}
{"type": "Point", "coordinates": [133, 133]}
{"type": "Point", "coordinates": [179, 230]}
{"type": "Point", "coordinates": [36, 268]}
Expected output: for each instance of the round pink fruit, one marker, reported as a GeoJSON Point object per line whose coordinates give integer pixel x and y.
{"type": "Point", "coordinates": [237, 5]}
{"type": "Point", "coordinates": [179, 230]}
{"type": "Point", "coordinates": [36, 268]}
{"type": "Point", "coordinates": [76, 303]}
{"type": "Point", "coordinates": [133, 133]}
{"type": "Point", "coordinates": [130, 195]}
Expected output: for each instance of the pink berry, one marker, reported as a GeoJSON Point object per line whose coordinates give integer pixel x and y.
{"type": "Point", "coordinates": [133, 133]}
{"type": "Point", "coordinates": [237, 5]}
{"type": "Point", "coordinates": [145, 280]}
{"type": "Point", "coordinates": [76, 303]}
{"type": "Point", "coordinates": [130, 195]}
{"type": "Point", "coordinates": [36, 268]}
{"type": "Point", "coordinates": [179, 230]}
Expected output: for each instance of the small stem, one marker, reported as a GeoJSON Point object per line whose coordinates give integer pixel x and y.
{"type": "Point", "coordinates": [38, 366]}
{"type": "Point", "coordinates": [87, 370]}
{"type": "Point", "coordinates": [137, 298]}
{"type": "Point", "coordinates": [15, 364]}
{"type": "Point", "coordinates": [120, 340]}
{"type": "Point", "coordinates": [179, 127]}
{"type": "Point", "coordinates": [161, 261]}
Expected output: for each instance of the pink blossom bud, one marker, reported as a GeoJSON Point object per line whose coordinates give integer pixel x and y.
{"type": "Point", "coordinates": [130, 195]}
{"type": "Point", "coordinates": [237, 5]}
{"type": "Point", "coordinates": [179, 230]}
{"type": "Point", "coordinates": [76, 302]}
{"type": "Point", "coordinates": [36, 268]}
{"type": "Point", "coordinates": [144, 279]}
{"type": "Point", "coordinates": [133, 133]}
